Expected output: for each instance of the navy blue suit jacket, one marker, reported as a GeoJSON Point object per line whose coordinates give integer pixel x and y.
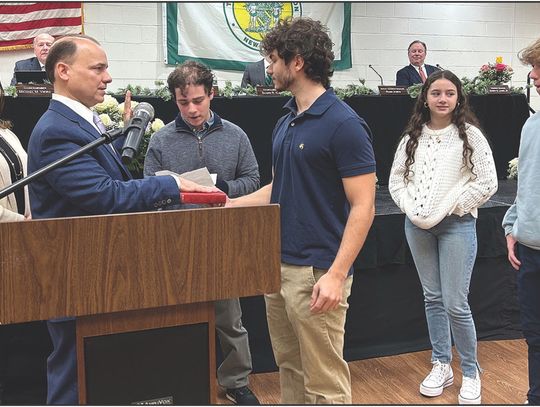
{"type": "Point", "coordinates": [409, 75]}
{"type": "Point", "coordinates": [254, 74]}
{"type": "Point", "coordinates": [30, 64]}
{"type": "Point", "coordinates": [94, 183]}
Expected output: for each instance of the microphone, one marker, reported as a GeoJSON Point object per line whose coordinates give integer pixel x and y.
{"type": "Point", "coordinates": [142, 115]}
{"type": "Point", "coordinates": [440, 67]}
{"type": "Point", "coordinates": [371, 66]}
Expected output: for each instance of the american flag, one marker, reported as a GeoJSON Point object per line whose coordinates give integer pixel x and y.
{"type": "Point", "coordinates": [21, 22]}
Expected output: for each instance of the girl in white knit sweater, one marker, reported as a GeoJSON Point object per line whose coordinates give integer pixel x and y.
{"type": "Point", "coordinates": [443, 171]}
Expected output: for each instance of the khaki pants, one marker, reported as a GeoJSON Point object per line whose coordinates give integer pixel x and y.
{"type": "Point", "coordinates": [308, 347]}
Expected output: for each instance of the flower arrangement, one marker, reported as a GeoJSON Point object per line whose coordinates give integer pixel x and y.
{"type": "Point", "coordinates": [495, 74]}
{"type": "Point", "coordinates": [513, 168]}
{"type": "Point", "coordinates": [111, 114]}
{"type": "Point", "coordinates": [490, 74]}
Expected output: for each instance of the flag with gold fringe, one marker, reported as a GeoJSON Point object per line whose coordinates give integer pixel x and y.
{"type": "Point", "coordinates": [21, 22]}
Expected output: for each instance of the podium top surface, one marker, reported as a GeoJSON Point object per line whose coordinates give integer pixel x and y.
{"type": "Point", "coordinates": [101, 264]}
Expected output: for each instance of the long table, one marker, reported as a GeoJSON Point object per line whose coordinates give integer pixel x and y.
{"type": "Point", "coordinates": [386, 314]}
{"type": "Point", "coordinates": [501, 117]}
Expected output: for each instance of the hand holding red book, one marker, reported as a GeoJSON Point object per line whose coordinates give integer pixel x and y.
{"type": "Point", "coordinates": [212, 198]}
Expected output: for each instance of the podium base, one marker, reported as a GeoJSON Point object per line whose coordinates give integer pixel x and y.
{"type": "Point", "coordinates": [152, 356]}
{"type": "Point", "coordinates": [166, 366]}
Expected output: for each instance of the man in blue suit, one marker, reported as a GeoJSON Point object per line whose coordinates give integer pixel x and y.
{"type": "Point", "coordinates": [42, 44]}
{"type": "Point", "coordinates": [95, 183]}
{"type": "Point", "coordinates": [255, 75]}
{"type": "Point", "coordinates": [417, 71]}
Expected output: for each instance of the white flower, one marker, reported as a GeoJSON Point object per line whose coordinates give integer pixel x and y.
{"type": "Point", "coordinates": [109, 103]}
{"type": "Point", "coordinates": [105, 119]}
{"type": "Point", "coordinates": [121, 106]}
{"type": "Point", "coordinates": [157, 124]}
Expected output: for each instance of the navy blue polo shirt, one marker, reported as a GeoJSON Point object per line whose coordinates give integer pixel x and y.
{"type": "Point", "coordinates": [311, 153]}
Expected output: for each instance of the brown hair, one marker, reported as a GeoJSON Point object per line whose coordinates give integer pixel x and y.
{"type": "Point", "coordinates": [531, 54]}
{"type": "Point", "coordinates": [63, 49]}
{"type": "Point", "coordinates": [190, 73]}
{"type": "Point", "coordinates": [461, 117]}
{"type": "Point", "coordinates": [307, 38]}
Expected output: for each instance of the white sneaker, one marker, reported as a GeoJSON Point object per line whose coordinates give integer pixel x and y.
{"type": "Point", "coordinates": [441, 376]}
{"type": "Point", "coordinates": [471, 390]}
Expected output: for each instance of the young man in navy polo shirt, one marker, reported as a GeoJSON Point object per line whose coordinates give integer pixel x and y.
{"type": "Point", "coordinates": [324, 181]}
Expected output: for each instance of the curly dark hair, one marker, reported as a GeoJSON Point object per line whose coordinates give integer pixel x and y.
{"type": "Point", "coordinates": [190, 73]}
{"type": "Point", "coordinates": [461, 116]}
{"type": "Point", "coordinates": [304, 37]}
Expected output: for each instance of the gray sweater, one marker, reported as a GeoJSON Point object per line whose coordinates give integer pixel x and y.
{"type": "Point", "coordinates": [522, 220]}
{"type": "Point", "coordinates": [224, 149]}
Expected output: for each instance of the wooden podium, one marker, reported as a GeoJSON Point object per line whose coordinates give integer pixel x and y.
{"type": "Point", "coordinates": [127, 277]}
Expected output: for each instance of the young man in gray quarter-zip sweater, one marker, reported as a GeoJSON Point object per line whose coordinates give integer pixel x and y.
{"type": "Point", "coordinates": [199, 138]}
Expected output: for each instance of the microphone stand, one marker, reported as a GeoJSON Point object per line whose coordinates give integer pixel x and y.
{"type": "Point", "coordinates": [373, 69]}
{"type": "Point", "coordinates": [106, 138]}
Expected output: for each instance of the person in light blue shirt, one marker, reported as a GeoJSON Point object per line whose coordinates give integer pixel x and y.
{"type": "Point", "coordinates": [522, 228]}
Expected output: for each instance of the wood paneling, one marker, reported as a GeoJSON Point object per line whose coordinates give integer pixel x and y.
{"type": "Point", "coordinates": [102, 264]}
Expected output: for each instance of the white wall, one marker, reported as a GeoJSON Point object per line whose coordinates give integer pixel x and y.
{"type": "Point", "coordinates": [459, 36]}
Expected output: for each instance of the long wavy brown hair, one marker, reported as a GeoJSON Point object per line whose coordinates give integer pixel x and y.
{"type": "Point", "coordinates": [461, 116]}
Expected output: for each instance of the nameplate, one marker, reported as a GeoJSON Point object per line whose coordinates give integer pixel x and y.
{"type": "Point", "coordinates": [498, 90]}
{"type": "Point", "coordinates": [266, 91]}
{"type": "Point", "coordinates": [33, 90]}
{"type": "Point", "coordinates": [392, 90]}
{"type": "Point", "coordinates": [162, 401]}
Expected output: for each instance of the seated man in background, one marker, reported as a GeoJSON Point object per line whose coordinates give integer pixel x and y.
{"type": "Point", "coordinates": [255, 74]}
{"type": "Point", "coordinates": [42, 44]}
{"type": "Point", "coordinates": [199, 138]}
{"type": "Point", "coordinates": [417, 71]}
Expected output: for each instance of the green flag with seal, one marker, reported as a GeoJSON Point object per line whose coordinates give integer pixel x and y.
{"type": "Point", "coordinates": [227, 35]}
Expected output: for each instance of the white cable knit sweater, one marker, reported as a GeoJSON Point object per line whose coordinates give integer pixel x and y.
{"type": "Point", "coordinates": [439, 184]}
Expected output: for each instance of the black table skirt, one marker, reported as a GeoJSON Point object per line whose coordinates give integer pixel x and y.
{"type": "Point", "coordinates": [501, 117]}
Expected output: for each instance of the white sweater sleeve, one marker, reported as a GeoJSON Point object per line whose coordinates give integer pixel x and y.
{"type": "Point", "coordinates": [484, 183]}
{"type": "Point", "coordinates": [396, 182]}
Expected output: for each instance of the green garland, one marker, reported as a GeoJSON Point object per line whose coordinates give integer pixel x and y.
{"type": "Point", "coordinates": [161, 91]}
{"type": "Point", "coordinates": [476, 86]}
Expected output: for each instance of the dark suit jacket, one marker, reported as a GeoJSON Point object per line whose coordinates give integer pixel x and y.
{"type": "Point", "coordinates": [409, 75]}
{"type": "Point", "coordinates": [94, 183]}
{"type": "Point", "coordinates": [254, 74]}
{"type": "Point", "coordinates": [30, 64]}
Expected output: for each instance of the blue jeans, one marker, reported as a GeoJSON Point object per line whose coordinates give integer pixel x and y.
{"type": "Point", "coordinates": [528, 284]}
{"type": "Point", "coordinates": [444, 257]}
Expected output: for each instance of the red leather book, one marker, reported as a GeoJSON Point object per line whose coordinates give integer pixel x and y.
{"type": "Point", "coordinates": [203, 197]}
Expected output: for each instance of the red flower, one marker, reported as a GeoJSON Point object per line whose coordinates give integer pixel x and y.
{"type": "Point", "coordinates": [500, 67]}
